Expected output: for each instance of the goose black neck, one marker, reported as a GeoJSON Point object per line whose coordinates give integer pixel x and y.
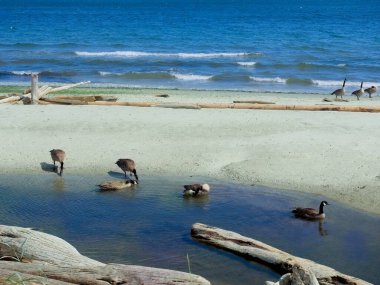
{"type": "Point", "coordinates": [321, 208]}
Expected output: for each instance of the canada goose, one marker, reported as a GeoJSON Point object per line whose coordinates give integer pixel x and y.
{"type": "Point", "coordinates": [116, 185]}
{"type": "Point", "coordinates": [371, 90]}
{"type": "Point", "coordinates": [359, 92]}
{"type": "Point", "coordinates": [311, 213]}
{"type": "Point", "coordinates": [58, 155]}
{"type": "Point", "coordinates": [127, 164]}
{"type": "Point", "coordinates": [340, 92]}
{"type": "Point", "coordinates": [196, 189]}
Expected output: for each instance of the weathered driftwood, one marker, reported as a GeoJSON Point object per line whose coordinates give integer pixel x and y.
{"type": "Point", "coordinates": [178, 106]}
{"type": "Point", "coordinates": [277, 259]}
{"type": "Point", "coordinates": [44, 90]}
{"type": "Point", "coordinates": [299, 276]}
{"type": "Point", "coordinates": [34, 91]}
{"type": "Point", "coordinates": [56, 89]}
{"type": "Point", "coordinates": [134, 104]}
{"type": "Point", "coordinates": [91, 98]}
{"type": "Point", "coordinates": [253, 102]}
{"type": "Point", "coordinates": [374, 109]}
{"type": "Point", "coordinates": [64, 101]}
{"type": "Point", "coordinates": [38, 255]}
{"type": "Point", "coordinates": [293, 107]}
{"type": "Point", "coordinates": [77, 100]}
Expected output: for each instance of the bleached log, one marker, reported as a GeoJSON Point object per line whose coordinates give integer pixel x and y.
{"type": "Point", "coordinates": [68, 86]}
{"type": "Point", "coordinates": [11, 99]}
{"type": "Point", "coordinates": [91, 98]}
{"type": "Point", "coordinates": [34, 87]}
{"type": "Point", "coordinates": [374, 109]}
{"type": "Point", "coordinates": [253, 102]}
{"type": "Point", "coordinates": [178, 106]}
{"type": "Point", "coordinates": [63, 101]}
{"type": "Point", "coordinates": [277, 259]}
{"type": "Point", "coordinates": [133, 104]}
{"type": "Point", "coordinates": [46, 256]}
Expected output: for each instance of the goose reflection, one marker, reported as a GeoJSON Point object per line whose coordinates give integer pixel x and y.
{"type": "Point", "coordinates": [322, 231]}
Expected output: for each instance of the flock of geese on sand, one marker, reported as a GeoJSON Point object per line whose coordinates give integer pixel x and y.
{"type": "Point", "coordinates": [341, 91]}
{"type": "Point", "coordinates": [192, 190]}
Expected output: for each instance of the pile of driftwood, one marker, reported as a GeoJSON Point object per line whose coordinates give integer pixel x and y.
{"type": "Point", "coordinates": [37, 95]}
{"type": "Point", "coordinates": [298, 270]}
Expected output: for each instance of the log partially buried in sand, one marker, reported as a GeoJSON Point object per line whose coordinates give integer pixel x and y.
{"type": "Point", "coordinates": [279, 260]}
{"type": "Point", "coordinates": [46, 259]}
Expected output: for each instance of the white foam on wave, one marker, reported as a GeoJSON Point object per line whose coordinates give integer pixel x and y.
{"type": "Point", "coordinates": [106, 73]}
{"type": "Point", "coordinates": [268, 79]}
{"type": "Point", "coordinates": [341, 65]}
{"type": "Point", "coordinates": [22, 72]}
{"type": "Point", "coordinates": [189, 77]}
{"type": "Point", "coordinates": [247, 63]}
{"type": "Point", "coordinates": [131, 54]}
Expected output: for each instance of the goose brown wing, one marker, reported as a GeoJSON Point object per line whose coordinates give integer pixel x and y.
{"type": "Point", "coordinates": [194, 187]}
{"type": "Point", "coordinates": [305, 211]}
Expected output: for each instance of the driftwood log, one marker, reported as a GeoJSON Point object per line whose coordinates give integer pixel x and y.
{"type": "Point", "coordinates": [253, 102]}
{"type": "Point", "coordinates": [90, 98]}
{"type": "Point", "coordinates": [40, 258]}
{"type": "Point", "coordinates": [371, 109]}
{"type": "Point", "coordinates": [278, 260]}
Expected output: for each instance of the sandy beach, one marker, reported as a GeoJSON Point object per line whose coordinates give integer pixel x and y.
{"type": "Point", "coordinates": [334, 154]}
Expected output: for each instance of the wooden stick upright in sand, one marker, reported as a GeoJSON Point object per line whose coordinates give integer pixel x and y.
{"type": "Point", "coordinates": [34, 92]}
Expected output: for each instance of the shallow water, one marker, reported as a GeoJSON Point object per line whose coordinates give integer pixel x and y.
{"type": "Point", "coordinates": [150, 224]}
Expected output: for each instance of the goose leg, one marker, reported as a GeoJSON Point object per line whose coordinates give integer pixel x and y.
{"type": "Point", "coordinates": [60, 173]}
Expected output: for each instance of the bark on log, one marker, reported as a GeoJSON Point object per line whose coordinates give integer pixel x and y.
{"type": "Point", "coordinates": [178, 106]}
{"type": "Point", "coordinates": [64, 101]}
{"type": "Point", "coordinates": [68, 86]}
{"type": "Point", "coordinates": [132, 104]}
{"type": "Point", "coordinates": [279, 260]}
{"type": "Point", "coordinates": [293, 107]}
{"type": "Point", "coordinates": [253, 102]}
{"type": "Point", "coordinates": [46, 257]}
{"type": "Point", "coordinates": [91, 98]}
{"type": "Point", "coordinates": [11, 99]}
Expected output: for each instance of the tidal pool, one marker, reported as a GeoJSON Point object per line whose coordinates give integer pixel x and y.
{"type": "Point", "coordinates": [149, 224]}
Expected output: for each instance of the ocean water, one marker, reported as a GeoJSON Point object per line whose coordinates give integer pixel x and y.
{"type": "Point", "coordinates": [290, 46]}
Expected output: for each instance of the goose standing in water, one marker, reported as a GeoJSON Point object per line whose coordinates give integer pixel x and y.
{"type": "Point", "coordinates": [127, 164]}
{"type": "Point", "coordinates": [340, 92]}
{"type": "Point", "coordinates": [370, 91]}
{"type": "Point", "coordinates": [311, 213]}
{"type": "Point", "coordinates": [359, 92]}
{"type": "Point", "coordinates": [196, 190]}
{"type": "Point", "coordinates": [58, 155]}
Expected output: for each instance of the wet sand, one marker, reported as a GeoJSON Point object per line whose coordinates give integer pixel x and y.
{"type": "Point", "coordinates": [335, 154]}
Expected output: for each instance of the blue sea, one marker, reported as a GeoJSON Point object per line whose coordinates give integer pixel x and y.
{"type": "Point", "coordinates": [282, 46]}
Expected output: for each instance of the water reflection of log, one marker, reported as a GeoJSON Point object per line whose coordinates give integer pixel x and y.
{"type": "Point", "coordinates": [41, 258]}
{"type": "Point", "coordinates": [279, 260]}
